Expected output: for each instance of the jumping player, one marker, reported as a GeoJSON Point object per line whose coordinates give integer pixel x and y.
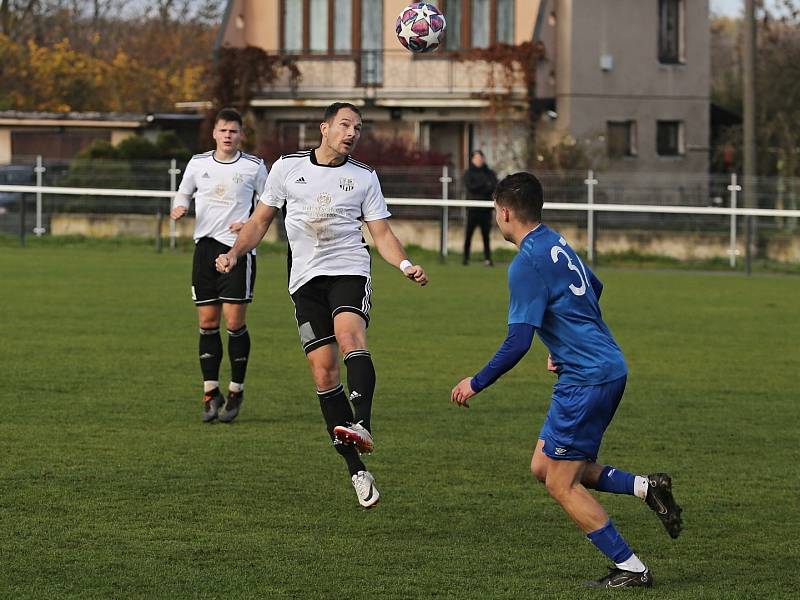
{"type": "Point", "coordinates": [326, 195]}
{"type": "Point", "coordinates": [555, 294]}
{"type": "Point", "coordinates": [224, 183]}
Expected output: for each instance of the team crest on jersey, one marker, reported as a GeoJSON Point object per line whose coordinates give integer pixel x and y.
{"type": "Point", "coordinates": [324, 200]}
{"type": "Point", "coordinates": [347, 184]}
{"type": "Point", "coordinates": [237, 178]}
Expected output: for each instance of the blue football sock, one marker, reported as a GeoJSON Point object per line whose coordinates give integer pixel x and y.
{"type": "Point", "coordinates": [611, 543]}
{"type": "Point", "coordinates": [615, 481]}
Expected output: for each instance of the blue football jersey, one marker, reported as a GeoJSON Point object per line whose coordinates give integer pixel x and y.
{"type": "Point", "coordinates": [552, 290]}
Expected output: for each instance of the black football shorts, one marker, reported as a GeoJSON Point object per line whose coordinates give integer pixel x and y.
{"type": "Point", "coordinates": [209, 286]}
{"type": "Point", "coordinates": [319, 300]}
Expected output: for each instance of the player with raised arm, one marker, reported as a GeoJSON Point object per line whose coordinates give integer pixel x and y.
{"type": "Point", "coordinates": [224, 183]}
{"type": "Point", "coordinates": [326, 195]}
{"type": "Point", "coordinates": [555, 294]}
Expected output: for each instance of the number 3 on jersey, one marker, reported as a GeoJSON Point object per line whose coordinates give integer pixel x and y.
{"type": "Point", "coordinates": [555, 251]}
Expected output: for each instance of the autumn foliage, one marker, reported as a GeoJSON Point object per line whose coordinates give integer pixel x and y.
{"type": "Point", "coordinates": [59, 78]}
{"type": "Point", "coordinates": [62, 56]}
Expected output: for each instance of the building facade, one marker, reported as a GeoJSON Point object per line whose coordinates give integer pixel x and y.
{"type": "Point", "coordinates": [631, 78]}
{"type": "Point", "coordinates": [627, 78]}
{"type": "Point", "coordinates": [60, 136]}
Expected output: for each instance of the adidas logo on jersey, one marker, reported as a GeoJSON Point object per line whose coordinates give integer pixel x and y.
{"type": "Point", "coordinates": [301, 180]}
{"type": "Point", "coordinates": [206, 175]}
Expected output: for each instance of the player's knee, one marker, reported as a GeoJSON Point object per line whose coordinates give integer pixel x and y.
{"type": "Point", "coordinates": [556, 489]}
{"type": "Point", "coordinates": [539, 470]}
{"type": "Point", "coordinates": [209, 323]}
{"type": "Point", "coordinates": [349, 342]}
{"type": "Point", "coordinates": [234, 324]}
{"type": "Point", "coordinates": [325, 376]}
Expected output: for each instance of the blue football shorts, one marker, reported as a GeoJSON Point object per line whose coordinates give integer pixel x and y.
{"type": "Point", "coordinates": [578, 418]}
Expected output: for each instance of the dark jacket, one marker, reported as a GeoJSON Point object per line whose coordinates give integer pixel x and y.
{"type": "Point", "coordinates": [479, 183]}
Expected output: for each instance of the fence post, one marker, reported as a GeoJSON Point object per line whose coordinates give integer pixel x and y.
{"type": "Point", "coordinates": [750, 200]}
{"type": "Point", "coordinates": [159, 224]}
{"type": "Point", "coordinates": [39, 169]}
{"type": "Point", "coordinates": [22, 219]}
{"type": "Point", "coordinates": [445, 179]}
{"type": "Point", "coordinates": [590, 182]}
{"type": "Point", "coordinates": [733, 188]}
{"type": "Point", "coordinates": [174, 171]}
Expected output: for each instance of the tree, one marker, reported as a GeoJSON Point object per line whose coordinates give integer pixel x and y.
{"type": "Point", "coordinates": [68, 55]}
{"type": "Point", "coordinates": [236, 76]}
{"type": "Point", "coordinates": [777, 88]}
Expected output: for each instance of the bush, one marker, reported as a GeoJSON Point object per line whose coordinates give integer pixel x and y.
{"type": "Point", "coordinates": [136, 163]}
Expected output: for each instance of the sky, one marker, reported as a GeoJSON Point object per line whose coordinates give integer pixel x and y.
{"type": "Point", "coordinates": [731, 8]}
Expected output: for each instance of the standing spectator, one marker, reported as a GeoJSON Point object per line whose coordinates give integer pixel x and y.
{"type": "Point", "coordinates": [479, 181]}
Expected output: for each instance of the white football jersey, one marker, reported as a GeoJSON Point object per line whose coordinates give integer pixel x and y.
{"type": "Point", "coordinates": [325, 208]}
{"type": "Point", "coordinates": [223, 193]}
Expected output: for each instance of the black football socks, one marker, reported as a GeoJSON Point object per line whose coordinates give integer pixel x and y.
{"type": "Point", "coordinates": [361, 382]}
{"type": "Point", "coordinates": [210, 353]}
{"type": "Point", "coordinates": [336, 411]}
{"type": "Point", "coordinates": [238, 353]}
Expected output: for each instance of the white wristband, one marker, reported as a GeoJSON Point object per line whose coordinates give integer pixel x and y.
{"type": "Point", "coordinates": [404, 264]}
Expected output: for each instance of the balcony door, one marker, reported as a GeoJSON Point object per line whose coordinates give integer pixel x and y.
{"type": "Point", "coordinates": [371, 72]}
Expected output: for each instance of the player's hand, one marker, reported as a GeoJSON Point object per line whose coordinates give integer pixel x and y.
{"type": "Point", "coordinates": [225, 262]}
{"type": "Point", "coordinates": [462, 392]}
{"type": "Point", "coordinates": [417, 274]}
{"type": "Point", "coordinates": [235, 227]}
{"type": "Point", "coordinates": [551, 366]}
{"type": "Point", "coordinates": [178, 212]}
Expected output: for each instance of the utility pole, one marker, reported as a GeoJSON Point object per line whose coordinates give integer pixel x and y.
{"type": "Point", "coordinates": [749, 100]}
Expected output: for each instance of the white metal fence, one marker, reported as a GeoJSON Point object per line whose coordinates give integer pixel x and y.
{"type": "Point", "coordinates": [702, 202]}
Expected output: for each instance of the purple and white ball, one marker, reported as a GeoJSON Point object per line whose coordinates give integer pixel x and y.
{"type": "Point", "coordinates": [420, 27]}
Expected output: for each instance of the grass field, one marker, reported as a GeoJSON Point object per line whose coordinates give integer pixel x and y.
{"type": "Point", "coordinates": [113, 488]}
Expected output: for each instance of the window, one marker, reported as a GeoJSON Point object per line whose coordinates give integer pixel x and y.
{"type": "Point", "coordinates": [371, 42]}
{"type": "Point", "coordinates": [317, 26]}
{"type": "Point", "coordinates": [478, 23]}
{"type": "Point", "coordinates": [453, 15]}
{"type": "Point", "coordinates": [318, 21]}
{"type": "Point", "coordinates": [505, 22]}
{"type": "Point", "coordinates": [621, 138]}
{"type": "Point", "coordinates": [342, 26]}
{"type": "Point", "coordinates": [669, 138]}
{"type": "Point", "coordinates": [293, 25]}
{"type": "Point", "coordinates": [670, 31]}
{"type": "Point", "coordinates": [480, 14]}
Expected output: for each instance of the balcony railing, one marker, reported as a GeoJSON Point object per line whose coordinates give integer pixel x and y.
{"type": "Point", "coordinates": [392, 72]}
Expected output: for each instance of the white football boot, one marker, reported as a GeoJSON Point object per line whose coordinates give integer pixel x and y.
{"type": "Point", "coordinates": [367, 493]}
{"type": "Point", "coordinates": [355, 434]}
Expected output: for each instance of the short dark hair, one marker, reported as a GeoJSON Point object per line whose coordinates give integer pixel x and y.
{"type": "Point", "coordinates": [228, 114]}
{"type": "Point", "coordinates": [522, 193]}
{"type": "Point", "coordinates": [333, 110]}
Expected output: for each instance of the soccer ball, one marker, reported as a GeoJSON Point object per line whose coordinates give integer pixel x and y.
{"type": "Point", "coordinates": [420, 27]}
